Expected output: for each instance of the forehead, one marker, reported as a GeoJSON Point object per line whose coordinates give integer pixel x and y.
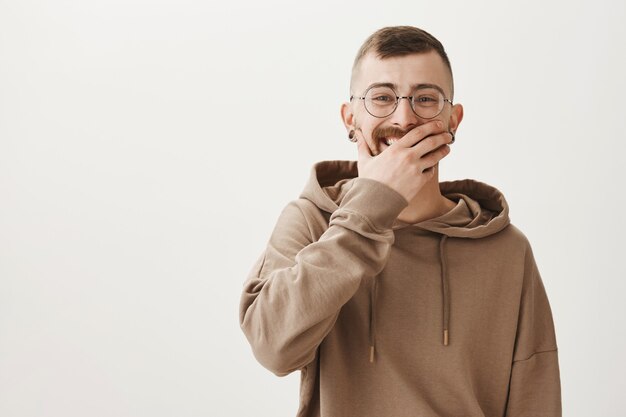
{"type": "Point", "coordinates": [404, 72]}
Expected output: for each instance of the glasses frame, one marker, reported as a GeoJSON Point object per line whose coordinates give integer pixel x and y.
{"type": "Point", "coordinates": [410, 98]}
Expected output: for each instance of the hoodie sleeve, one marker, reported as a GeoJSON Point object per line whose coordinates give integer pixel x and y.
{"type": "Point", "coordinates": [296, 288]}
{"type": "Point", "coordinates": [535, 386]}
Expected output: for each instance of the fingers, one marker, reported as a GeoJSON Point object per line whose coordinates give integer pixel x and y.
{"type": "Point", "coordinates": [362, 146]}
{"type": "Point", "coordinates": [429, 143]}
{"type": "Point", "coordinates": [432, 143]}
{"type": "Point", "coordinates": [417, 134]}
{"type": "Point", "coordinates": [430, 159]}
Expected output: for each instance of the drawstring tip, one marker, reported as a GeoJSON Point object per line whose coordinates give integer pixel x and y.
{"type": "Point", "coordinates": [445, 337]}
{"type": "Point", "coordinates": [371, 353]}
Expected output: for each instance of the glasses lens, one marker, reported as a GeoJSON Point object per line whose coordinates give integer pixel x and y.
{"type": "Point", "coordinates": [380, 101]}
{"type": "Point", "coordinates": [428, 102]}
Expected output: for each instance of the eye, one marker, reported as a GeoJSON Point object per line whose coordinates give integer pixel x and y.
{"type": "Point", "coordinates": [427, 101]}
{"type": "Point", "coordinates": [384, 98]}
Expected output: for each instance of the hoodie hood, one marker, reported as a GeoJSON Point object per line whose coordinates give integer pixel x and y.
{"type": "Point", "coordinates": [481, 210]}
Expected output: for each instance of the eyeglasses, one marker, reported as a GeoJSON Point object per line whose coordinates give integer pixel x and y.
{"type": "Point", "coordinates": [426, 102]}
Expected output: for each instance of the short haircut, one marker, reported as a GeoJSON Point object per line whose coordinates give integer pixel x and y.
{"type": "Point", "coordinates": [394, 41]}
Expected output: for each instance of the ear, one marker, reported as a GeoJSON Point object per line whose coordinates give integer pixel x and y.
{"type": "Point", "coordinates": [347, 116]}
{"type": "Point", "coordinates": [456, 115]}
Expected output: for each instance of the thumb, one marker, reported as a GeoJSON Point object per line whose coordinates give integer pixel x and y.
{"type": "Point", "coordinates": [362, 147]}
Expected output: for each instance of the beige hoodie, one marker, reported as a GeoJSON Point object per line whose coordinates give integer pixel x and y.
{"type": "Point", "coordinates": [446, 317]}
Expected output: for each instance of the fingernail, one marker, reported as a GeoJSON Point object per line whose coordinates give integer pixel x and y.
{"type": "Point", "coordinates": [439, 123]}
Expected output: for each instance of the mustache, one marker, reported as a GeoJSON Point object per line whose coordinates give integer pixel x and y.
{"type": "Point", "coordinates": [387, 132]}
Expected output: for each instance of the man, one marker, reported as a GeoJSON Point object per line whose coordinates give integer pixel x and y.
{"type": "Point", "coordinates": [393, 293]}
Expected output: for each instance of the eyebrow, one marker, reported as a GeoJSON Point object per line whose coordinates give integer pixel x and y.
{"type": "Point", "coordinates": [413, 86]}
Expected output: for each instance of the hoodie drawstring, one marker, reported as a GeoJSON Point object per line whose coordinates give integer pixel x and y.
{"type": "Point", "coordinates": [372, 328]}
{"type": "Point", "coordinates": [445, 290]}
{"type": "Point", "coordinates": [445, 295]}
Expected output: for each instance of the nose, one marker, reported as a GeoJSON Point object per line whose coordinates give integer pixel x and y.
{"type": "Point", "coordinates": [404, 116]}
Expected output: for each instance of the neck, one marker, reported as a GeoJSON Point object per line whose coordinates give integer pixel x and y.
{"type": "Point", "coordinates": [427, 204]}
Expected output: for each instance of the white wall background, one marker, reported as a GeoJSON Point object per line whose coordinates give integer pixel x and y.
{"type": "Point", "coordinates": [147, 148]}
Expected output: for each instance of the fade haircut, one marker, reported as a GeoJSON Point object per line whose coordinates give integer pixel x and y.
{"type": "Point", "coordinates": [396, 41]}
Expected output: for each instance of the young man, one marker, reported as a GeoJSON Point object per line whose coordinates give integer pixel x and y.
{"type": "Point", "coordinates": [393, 293]}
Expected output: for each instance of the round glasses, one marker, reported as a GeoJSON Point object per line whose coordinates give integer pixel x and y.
{"type": "Point", "coordinates": [381, 101]}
